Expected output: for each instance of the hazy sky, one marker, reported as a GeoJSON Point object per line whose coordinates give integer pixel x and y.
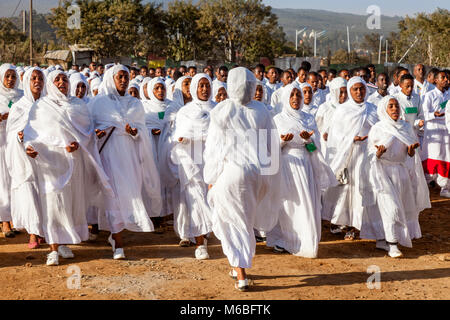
{"type": "Point", "coordinates": [388, 7]}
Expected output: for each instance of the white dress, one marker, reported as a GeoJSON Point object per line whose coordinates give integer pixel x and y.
{"type": "Point", "coordinates": [245, 193]}
{"type": "Point", "coordinates": [304, 175]}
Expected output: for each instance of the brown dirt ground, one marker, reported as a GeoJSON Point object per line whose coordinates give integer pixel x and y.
{"type": "Point", "coordinates": [157, 268]}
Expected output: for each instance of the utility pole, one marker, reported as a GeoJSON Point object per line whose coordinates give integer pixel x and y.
{"type": "Point", "coordinates": [379, 51]}
{"type": "Point", "coordinates": [24, 23]}
{"type": "Point", "coordinates": [386, 51]}
{"type": "Point", "coordinates": [297, 32]}
{"type": "Point", "coordinates": [315, 43]}
{"type": "Point", "coordinates": [31, 32]}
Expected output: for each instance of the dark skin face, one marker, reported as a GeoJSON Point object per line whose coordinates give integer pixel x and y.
{"type": "Point", "coordinates": [151, 73]}
{"type": "Point", "coordinates": [221, 95]}
{"type": "Point", "coordinates": [324, 76]}
{"type": "Point", "coordinates": [313, 81]}
{"type": "Point", "coordinates": [399, 76]}
{"type": "Point", "coordinates": [143, 72]}
{"type": "Point", "coordinates": [203, 89]}
{"type": "Point", "coordinates": [133, 92]}
{"type": "Point", "coordinates": [431, 79]}
{"type": "Point", "coordinates": [441, 81]}
{"type": "Point", "coordinates": [307, 94]}
{"type": "Point", "coordinates": [10, 78]}
{"type": "Point", "coordinates": [343, 95]}
{"type": "Point", "coordinates": [159, 91]}
{"type": "Point", "coordinates": [302, 76]}
{"type": "Point", "coordinates": [158, 72]}
{"type": "Point", "coordinates": [272, 75]}
{"type": "Point", "coordinates": [133, 74]}
{"type": "Point", "coordinates": [286, 78]}
{"type": "Point", "coordinates": [62, 83]}
{"type": "Point", "coordinates": [363, 74]}
{"type": "Point", "coordinates": [393, 109]}
{"type": "Point", "coordinates": [208, 72]}
{"type": "Point", "coordinates": [259, 93]}
{"type": "Point", "coordinates": [419, 72]}
{"type": "Point", "coordinates": [92, 66]}
{"type": "Point", "coordinates": [295, 99]}
{"type": "Point", "coordinates": [344, 74]}
{"type": "Point", "coordinates": [121, 80]}
{"type": "Point", "coordinates": [36, 84]}
{"type": "Point", "coordinates": [382, 83]}
{"type": "Point", "coordinates": [222, 75]}
{"type": "Point", "coordinates": [185, 89]}
{"type": "Point", "coordinates": [358, 92]}
{"type": "Point", "coordinates": [81, 90]}
{"type": "Point", "coordinates": [407, 86]}
{"type": "Point", "coordinates": [259, 74]}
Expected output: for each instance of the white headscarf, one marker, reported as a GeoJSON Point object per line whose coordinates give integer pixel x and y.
{"type": "Point", "coordinates": [216, 90]}
{"type": "Point", "coordinates": [53, 93]}
{"type": "Point", "coordinates": [14, 94]}
{"type": "Point", "coordinates": [95, 85]}
{"type": "Point", "coordinates": [351, 83]}
{"type": "Point", "coordinates": [26, 82]}
{"type": "Point", "coordinates": [241, 85]}
{"type": "Point", "coordinates": [75, 79]}
{"type": "Point", "coordinates": [108, 86]}
{"type": "Point", "coordinates": [400, 129]}
{"type": "Point", "coordinates": [306, 84]}
{"type": "Point", "coordinates": [192, 120]}
{"type": "Point", "coordinates": [335, 90]}
{"type": "Point", "coordinates": [178, 91]}
{"type": "Point", "coordinates": [291, 117]}
{"type": "Point", "coordinates": [194, 87]}
{"type": "Point", "coordinates": [349, 118]}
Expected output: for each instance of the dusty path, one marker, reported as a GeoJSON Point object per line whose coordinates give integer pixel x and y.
{"type": "Point", "coordinates": [157, 268]}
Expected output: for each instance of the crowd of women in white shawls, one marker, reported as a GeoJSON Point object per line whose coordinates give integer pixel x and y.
{"type": "Point", "coordinates": [251, 156]}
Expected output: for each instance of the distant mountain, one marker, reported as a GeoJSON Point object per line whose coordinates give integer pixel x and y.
{"type": "Point", "coordinates": [290, 19]}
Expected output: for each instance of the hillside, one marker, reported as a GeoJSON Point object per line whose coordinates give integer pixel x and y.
{"type": "Point", "coordinates": [290, 19]}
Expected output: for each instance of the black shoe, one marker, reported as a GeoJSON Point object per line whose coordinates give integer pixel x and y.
{"type": "Point", "coordinates": [278, 249]}
{"type": "Point", "coordinates": [432, 184]}
{"type": "Point", "coordinates": [260, 239]}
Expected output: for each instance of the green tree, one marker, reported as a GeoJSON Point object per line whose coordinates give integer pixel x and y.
{"type": "Point", "coordinates": [184, 37]}
{"type": "Point", "coordinates": [241, 30]}
{"type": "Point", "coordinates": [111, 27]}
{"type": "Point", "coordinates": [433, 34]}
{"type": "Point", "coordinates": [10, 41]}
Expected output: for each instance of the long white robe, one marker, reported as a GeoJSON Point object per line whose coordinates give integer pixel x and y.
{"type": "Point", "coordinates": [155, 119]}
{"type": "Point", "coordinates": [128, 160]}
{"type": "Point", "coordinates": [436, 140]}
{"type": "Point", "coordinates": [326, 111]}
{"type": "Point", "coordinates": [245, 192]}
{"type": "Point", "coordinates": [67, 182]}
{"type": "Point", "coordinates": [343, 203]}
{"type": "Point", "coordinates": [8, 97]}
{"type": "Point", "coordinates": [304, 175]}
{"type": "Point", "coordinates": [25, 201]}
{"type": "Point", "coordinates": [192, 216]}
{"type": "Point", "coordinates": [398, 187]}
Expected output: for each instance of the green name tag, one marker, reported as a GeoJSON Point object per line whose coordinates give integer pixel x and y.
{"type": "Point", "coordinates": [311, 147]}
{"type": "Point", "coordinates": [443, 104]}
{"type": "Point", "coordinates": [411, 110]}
{"type": "Point", "coordinates": [10, 104]}
{"type": "Point", "coordinates": [161, 115]}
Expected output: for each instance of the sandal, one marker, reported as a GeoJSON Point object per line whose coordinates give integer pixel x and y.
{"type": "Point", "coordinates": [9, 234]}
{"type": "Point", "coordinates": [33, 245]}
{"type": "Point", "coordinates": [184, 243]}
{"type": "Point", "coordinates": [233, 274]}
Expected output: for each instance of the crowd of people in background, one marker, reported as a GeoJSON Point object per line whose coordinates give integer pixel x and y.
{"type": "Point", "coordinates": [114, 148]}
